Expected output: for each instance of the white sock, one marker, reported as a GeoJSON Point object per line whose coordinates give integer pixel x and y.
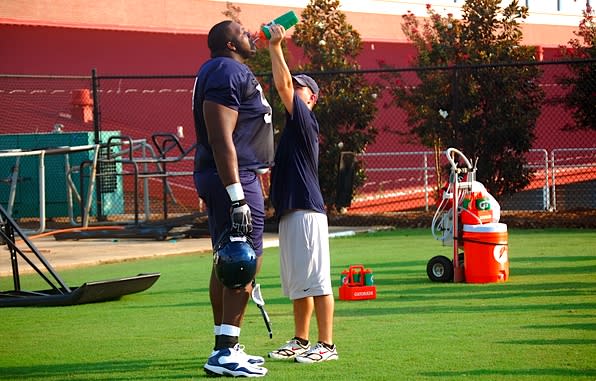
{"type": "Point", "coordinates": [217, 330]}
{"type": "Point", "coordinates": [229, 330]}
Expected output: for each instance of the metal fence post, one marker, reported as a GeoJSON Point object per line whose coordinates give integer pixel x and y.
{"type": "Point", "coordinates": [97, 130]}
{"type": "Point", "coordinates": [425, 175]}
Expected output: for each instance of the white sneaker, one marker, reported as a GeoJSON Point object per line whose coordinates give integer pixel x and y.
{"type": "Point", "coordinates": [289, 350]}
{"type": "Point", "coordinates": [255, 360]}
{"type": "Point", "coordinates": [318, 353]}
{"type": "Point", "coordinates": [233, 362]}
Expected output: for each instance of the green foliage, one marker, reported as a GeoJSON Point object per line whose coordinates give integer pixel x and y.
{"type": "Point", "coordinates": [581, 80]}
{"type": "Point", "coordinates": [475, 98]}
{"type": "Point", "coordinates": [346, 106]}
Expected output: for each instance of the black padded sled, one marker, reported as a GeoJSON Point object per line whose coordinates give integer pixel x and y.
{"type": "Point", "coordinates": [59, 294]}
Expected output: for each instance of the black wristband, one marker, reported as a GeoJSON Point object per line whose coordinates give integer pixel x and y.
{"type": "Point", "coordinates": [238, 203]}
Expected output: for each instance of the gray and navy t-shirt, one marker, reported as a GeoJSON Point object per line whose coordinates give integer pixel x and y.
{"type": "Point", "coordinates": [230, 83]}
{"type": "Point", "coordinates": [295, 176]}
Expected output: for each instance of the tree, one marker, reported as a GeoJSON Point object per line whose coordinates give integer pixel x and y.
{"type": "Point", "coordinates": [472, 95]}
{"type": "Point", "coordinates": [346, 106]}
{"type": "Point", "coordinates": [581, 81]}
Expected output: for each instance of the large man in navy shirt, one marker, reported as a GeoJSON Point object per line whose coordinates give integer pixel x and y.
{"type": "Point", "coordinates": [235, 143]}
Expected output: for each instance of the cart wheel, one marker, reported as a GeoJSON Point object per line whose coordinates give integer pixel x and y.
{"type": "Point", "coordinates": [460, 258]}
{"type": "Point", "coordinates": [440, 269]}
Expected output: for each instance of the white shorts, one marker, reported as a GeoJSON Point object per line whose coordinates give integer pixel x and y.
{"type": "Point", "coordinates": [305, 266]}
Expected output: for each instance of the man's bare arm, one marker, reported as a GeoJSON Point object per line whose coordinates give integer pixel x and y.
{"type": "Point", "coordinates": [281, 73]}
{"type": "Point", "coordinates": [221, 122]}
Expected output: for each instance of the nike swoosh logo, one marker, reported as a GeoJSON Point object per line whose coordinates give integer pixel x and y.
{"type": "Point", "coordinates": [306, 289]}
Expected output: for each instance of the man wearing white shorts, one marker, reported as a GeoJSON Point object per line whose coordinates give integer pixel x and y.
{"type": "Point", "coordinates": [298, 202]}
{"type": "Point", "coordinates": [304, 275]}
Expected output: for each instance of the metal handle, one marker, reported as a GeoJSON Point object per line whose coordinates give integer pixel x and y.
{"type": "Point", "coordinates": [450, 153]}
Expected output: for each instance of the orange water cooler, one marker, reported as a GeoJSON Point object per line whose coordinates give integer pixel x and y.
{"type": "Point", "coordinates": [486, 258]}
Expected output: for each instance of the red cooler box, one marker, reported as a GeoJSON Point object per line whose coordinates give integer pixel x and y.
{"type": "Point", "coordinates": [357, 284]}
{"type": "Point", "coordinates": [486, 254]}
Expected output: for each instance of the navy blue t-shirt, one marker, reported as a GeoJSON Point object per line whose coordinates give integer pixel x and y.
{"type": "Point", "coordinates": [230, 83]}
{"type": "Point", "coordinates": [295, 176]}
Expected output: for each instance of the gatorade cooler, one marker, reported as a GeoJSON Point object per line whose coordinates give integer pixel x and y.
{"type": "Point", "coordinates": [357, 284]}
{"type": "Point", "coordinates": [486, 257]}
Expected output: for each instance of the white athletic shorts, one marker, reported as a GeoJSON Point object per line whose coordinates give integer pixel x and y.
{"type": "Point", "coordinates": [304, 254]}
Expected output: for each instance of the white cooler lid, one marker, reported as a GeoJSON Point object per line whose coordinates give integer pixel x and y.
{"type": "Point", "coordinates": [493, 227]}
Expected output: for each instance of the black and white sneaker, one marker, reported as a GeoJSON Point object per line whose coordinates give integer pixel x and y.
{"type": "Point", "coordinates": [234, 362]}
{"type": "Point", "coordinates": [318, 353]}
{"type": "Point", "coordinates": [254, 360]}
{"type": "Point", "coordinates": [289, 350]}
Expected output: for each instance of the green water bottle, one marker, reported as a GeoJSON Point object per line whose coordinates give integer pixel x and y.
{"type": "Point", "coordinates": [287, 20]}
{"type": "Point", "coordinates": [368, 277]}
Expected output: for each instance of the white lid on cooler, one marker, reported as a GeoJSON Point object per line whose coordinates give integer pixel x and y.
{"type": "Point", "coordinates": [493, 227]}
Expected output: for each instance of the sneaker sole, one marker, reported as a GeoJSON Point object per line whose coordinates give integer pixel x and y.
{"type": "Point", "coordinates": [309, 361]}
{"type": "Point", "coordinates": [217, 371]}
{"type": "Point", "coordinates": [211, 374]}
{"type": "Point", "coordinates": [256, 362]}
{"type": "Point", "coordinates": [274, 356]}
{"type": "Point", "coordinates": [283, 357]}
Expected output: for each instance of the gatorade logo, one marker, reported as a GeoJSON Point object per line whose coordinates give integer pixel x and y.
{"type": "Point", "coordinates": [482, 204]}
{"type": "Point", "coordinates": [500, 253]}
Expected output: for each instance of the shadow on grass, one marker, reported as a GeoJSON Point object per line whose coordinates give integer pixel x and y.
{"type": "Point", "coordinates": [108, 370]}
{"type": "Point", "coordinates": [559, 270]}
{"type": "Point", "coordinates": [396, 282]}
{"type": "Point", "coordinates": [371, 309]}
{"type": "Point", "coordinates": [502, 290]}
{"type": "Point", "coordinates": [535, 372]}
{"type": "Point", "coordinates": [563, 258]}
{"type": "Point", "coordinates": [576, 326]}
{"type": "Point", "coordinates": [487, 291]}
{"type": "Point", "coordinates": [551, 342]}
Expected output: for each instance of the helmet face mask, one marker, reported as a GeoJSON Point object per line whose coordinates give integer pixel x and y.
{"type": "Point", "coordinates": [234, 260]}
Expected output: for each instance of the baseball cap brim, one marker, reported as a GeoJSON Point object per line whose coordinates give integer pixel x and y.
{"type": "Point", "coordinates": [306, 81]}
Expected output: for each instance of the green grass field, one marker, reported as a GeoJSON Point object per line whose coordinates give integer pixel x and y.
{"type": "Point", "coordinates": [539, 325]}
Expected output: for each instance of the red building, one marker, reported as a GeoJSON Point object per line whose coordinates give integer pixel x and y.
{"type": "Point", "coordinates": [65, 37]}
{"type": "Point", "coordinates": [136, 37]}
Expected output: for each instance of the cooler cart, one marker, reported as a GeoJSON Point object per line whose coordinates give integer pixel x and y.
{"type": "Point", "coordinates": [445, 224]}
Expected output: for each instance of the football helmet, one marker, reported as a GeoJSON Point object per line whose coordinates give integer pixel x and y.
{"type": "Point", "coordinates": [235, 260]}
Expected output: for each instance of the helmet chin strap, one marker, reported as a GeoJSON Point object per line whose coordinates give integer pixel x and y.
{"type": "Point", "coordinates": [257, 297]}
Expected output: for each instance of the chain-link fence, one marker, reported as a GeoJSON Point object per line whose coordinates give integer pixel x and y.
{"type": "Point", "coordinates": [131, 143]}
